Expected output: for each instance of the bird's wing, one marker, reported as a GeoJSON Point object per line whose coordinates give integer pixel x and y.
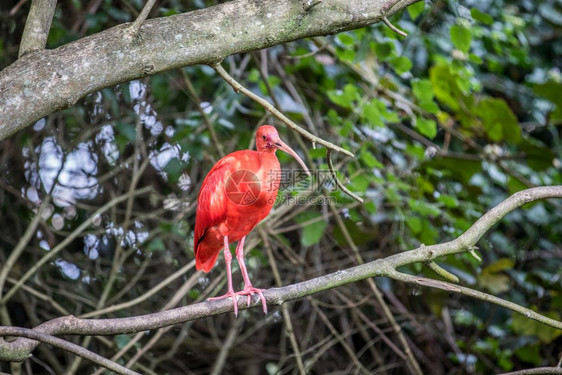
{"type": "Point", "coordinates": [211, 204]}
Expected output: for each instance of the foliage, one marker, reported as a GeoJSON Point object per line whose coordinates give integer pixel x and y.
{"type": "Point", "coordinates": [445, 123]}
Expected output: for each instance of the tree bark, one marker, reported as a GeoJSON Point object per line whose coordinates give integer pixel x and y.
{"type": "Point", "coordinates": [44, 81]}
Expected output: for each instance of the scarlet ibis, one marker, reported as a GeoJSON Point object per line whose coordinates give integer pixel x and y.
{"type": "Point", "coordinates": [238, 193]}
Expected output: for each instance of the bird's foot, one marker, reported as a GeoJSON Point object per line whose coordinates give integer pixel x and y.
{"type": "Point", "coordinates": [230, 294]}
{"type": "Point", "coordinates": [248, 291]}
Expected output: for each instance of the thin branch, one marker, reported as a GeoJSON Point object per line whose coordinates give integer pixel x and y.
{"type": "Point", "coordinates": [226, 345]}
{"type": "Point", "coordinates": [48, 256]}
{"type": "Point", "coordinates": [274, 111]}
{"type": "Point", "coordinates": [135, 27]}
{"type": "Point", "coordinates": [411, 361]}
{"type": "Point", "coordinates": [393, 28]}
{"type": "Point", "coordinates": [338, 182]}
{"type": "Point", "coordinates": [66, 345]}
{"type": "Point", "coordinates": [22, 243]}
{"type": "Point", "coordinates": [287, 319]}
{"type": "Point", "coordinates": [37, 26]}
{"type": "Point", "coordinates": [201, 110]}
{"type": "Point", "coordinates": [536, 371]}
{"type": "Point", "coordinates": [443, 272]}
{"type": "Point", "coordinates": [19, 349]}
{"type": "Point", "coordinates": [448, 287]}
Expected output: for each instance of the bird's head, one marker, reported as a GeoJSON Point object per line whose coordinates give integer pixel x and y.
{"type": "Point", "coordinates": [267, 140]}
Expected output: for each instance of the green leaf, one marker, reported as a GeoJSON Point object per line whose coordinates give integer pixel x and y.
{"type": "Point", "coordinates": [445, 86]}
{"type": "Point", "coordinates": [174, 170]}
{"type": "Point", "coordinates": [346, 39]}
{"type": "Point", "coordinates": [523, 325]}
{"type": "Point", "coordinates": [423, 90]}
{"type": "Point", "coordinates": [498, 120]}
{"type": "Point", "coordinates": [312, 233]}
{"type": "Point", "coordinates": [461, 169]}
{"type": "Point", "coordinates": [448, 200]}
{"type": "Point", "coordinates": [384, 50]}
{"type": "Point", "coordinates": [414, 223]}
{"type": "Point", "coordinates": [127, 130]}
{"type": "Point", "coordinates": [430, 107]}
{"type": "Point", "coordinates": [499, 265]}
{"type": "Point", "coordinates": [486, 19]}
{"type": "Point", "coordinates": [416, 9]}
{"type": "Point", "coordinates": [474, 58]}
{"type": "Point", "coordinates": [538, 156]}
{"type": "Point", "coordinates": [423, 208]}
{"type": "Point", "coordinates": [551, 91]}
{"type": "Point", "coordinates": [494, 281]}
{"type": "Point", "coordinates": [426, 127]}
{"type": "Point", "coordinates": [156, 245]}
{"type": "Point", "coordinates": [319, 152]}
{"type": "Point", "coordinates": [372, 113]}
{"type": "Point", "coordinates": [461, 37]}
{"type": "Point", "coordinates": [401, 64]}
{"type": "Point", "coordinates": [346, 97]}
{"type": "Point", "coordinates": [529, 354]}
{"type": "Point", "coordinates": [370, 160]}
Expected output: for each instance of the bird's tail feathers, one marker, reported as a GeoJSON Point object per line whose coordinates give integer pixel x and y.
{"type": "Point", "coordinates": [205, 257]}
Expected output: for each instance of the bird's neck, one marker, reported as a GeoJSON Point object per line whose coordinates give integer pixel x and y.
{"type": "Point", "coordinates": [266, 155]}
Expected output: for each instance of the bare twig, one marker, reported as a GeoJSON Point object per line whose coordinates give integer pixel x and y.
{"type": "Point", "coordinates": [70, 325]}
{"type": "Point", "coordinates": [226, 346]}
{"type": "Point", "coordinates": [411, 361]}
{"type": "Point", "coordinates": [37, 26]}
{"type": "Point", "coordinates": [135, 27]}
{"type": "Point", "coordinates": [338, 182]}
{"type": "Point", "coordinates": [68, 240]}
{"type": "Point", "coordinates": [286, 314]}
{"type": "Point", "coordinates": [22, 243]}
{"type": "Point", "coordinates": [201, 110]}
{"type": "Point", "coordinates": [66, 345]}
{"type": "Point", "coordinates": [264, 103]}
{"type": "Point", "coordinates": [443, 272]}
{"type": "Point", "coordinates": [536, 371]}
{"type": "Point", "coordinates": [393, 28]}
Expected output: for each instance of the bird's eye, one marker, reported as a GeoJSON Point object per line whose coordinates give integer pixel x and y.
{"type": "Point", "coordinates": [264, 137]}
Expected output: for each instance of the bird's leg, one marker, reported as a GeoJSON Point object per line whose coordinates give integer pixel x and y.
{"type": "Point", "coordinates": [248, 287]}
{"type": "Point", "coordinates": [230, 293]}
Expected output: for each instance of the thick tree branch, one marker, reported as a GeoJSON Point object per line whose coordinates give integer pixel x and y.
{"type": "Point", "coordinates": [37, 26]}
{"type": "Point", "coordinates": [56, 79]}
{"type": "Point", "coordinates": [70, 325]}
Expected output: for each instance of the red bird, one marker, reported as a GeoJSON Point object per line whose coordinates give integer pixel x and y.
{"type": "Point", "coordinates": [236, 195]}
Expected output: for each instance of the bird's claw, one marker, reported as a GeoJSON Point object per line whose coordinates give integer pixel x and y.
{"type": "Point", "coordinates": [248, 291]}
{"type": "Point", "coordinates": [229, 294]}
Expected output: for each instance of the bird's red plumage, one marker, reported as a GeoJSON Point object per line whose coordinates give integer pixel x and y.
{"type": "Point", "coordinates": [236, 195]}
{"type": "Point", "coordinates": [218, 215]}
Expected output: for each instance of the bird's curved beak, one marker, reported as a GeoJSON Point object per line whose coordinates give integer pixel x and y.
{"type": "Point", "coordinates": [284, 147]}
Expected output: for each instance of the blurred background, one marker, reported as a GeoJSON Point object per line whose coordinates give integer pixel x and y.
{"type": "Point", "coordinates": [445, 124]}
